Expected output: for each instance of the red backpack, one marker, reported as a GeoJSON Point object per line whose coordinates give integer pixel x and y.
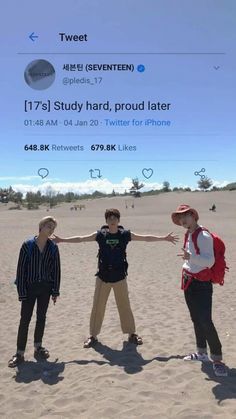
{"type": "Point", "coordinates": [216, 273]}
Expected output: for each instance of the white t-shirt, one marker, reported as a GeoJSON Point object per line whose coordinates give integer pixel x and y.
{"type": "Point", "coordinates": [205, 259]}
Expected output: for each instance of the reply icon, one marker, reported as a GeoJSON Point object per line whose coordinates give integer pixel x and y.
{"type": "Point", "coordinates": [43, 172]}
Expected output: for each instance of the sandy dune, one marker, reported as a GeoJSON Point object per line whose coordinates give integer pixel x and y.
{"type": "Point", "coordinates": [115, 379]}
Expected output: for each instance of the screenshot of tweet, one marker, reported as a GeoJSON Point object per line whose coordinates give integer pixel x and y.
{"type": "Point", "coordinates": [117, 203]}
{"type": "Point", "coordinates": [99, 96]}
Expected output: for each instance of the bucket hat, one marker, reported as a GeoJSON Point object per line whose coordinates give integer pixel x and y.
{"type": "Point", "coordinates": [181, 209]}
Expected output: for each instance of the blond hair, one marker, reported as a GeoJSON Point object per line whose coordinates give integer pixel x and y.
{"type": "Point", "coordinates": [46, 220]}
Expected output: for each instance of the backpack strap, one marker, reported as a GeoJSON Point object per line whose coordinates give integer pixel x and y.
{"type": "Point", "coordinates": [194, 238]}
{"type": "Point", "coordinates": [105, 228]}
{"type": "Point", "coordinates": [185, 239]}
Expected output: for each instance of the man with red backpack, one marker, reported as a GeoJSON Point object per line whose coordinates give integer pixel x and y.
{"type": "Point", "coordinates": [204, 264]}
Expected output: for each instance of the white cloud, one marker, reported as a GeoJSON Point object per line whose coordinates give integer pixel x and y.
{"type": "Point", "coordinates": [220, 184]}
{"type": "Point", "coordinates": [88, 186]}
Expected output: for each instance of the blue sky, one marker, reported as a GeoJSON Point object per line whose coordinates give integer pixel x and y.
{"type": "Point", "coordinates": [188, 51]}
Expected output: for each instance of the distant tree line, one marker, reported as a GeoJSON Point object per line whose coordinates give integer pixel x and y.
{"type": "Point", "coordinates": [51, 198]}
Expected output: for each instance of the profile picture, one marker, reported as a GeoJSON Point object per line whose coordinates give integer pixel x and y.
{"type": "Point", "coordinates": [39, 74]}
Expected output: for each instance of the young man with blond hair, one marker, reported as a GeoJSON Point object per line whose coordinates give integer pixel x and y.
{"type": "Point", "coordinates": [38, 278]}
{"type": "Point", "coordinates": [112, 240]}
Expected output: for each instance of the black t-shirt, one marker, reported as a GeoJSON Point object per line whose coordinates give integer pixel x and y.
{"type": "Point", "coordinates": [112, 263]}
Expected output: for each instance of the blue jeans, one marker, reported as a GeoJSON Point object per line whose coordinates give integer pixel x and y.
{"type": "Point", "coordinates": [198, 297]}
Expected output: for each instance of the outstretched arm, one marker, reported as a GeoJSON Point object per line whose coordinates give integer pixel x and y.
{"type": "Point", "coordinates": [74, 239]}
{"type": "Point", "coordinates": [150, 238]}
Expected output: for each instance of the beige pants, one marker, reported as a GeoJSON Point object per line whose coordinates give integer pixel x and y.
{"type": "Point", "coordinates": [102, 291]}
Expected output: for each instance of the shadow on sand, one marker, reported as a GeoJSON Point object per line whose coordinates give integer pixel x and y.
{"type": "Point", "coordinates": [49, 372]}
{"type": "Point", "coordinates": [128, 358]}
{"type": "Point", "coordinates": [226, 386]}
{"type": "Point", "coordinates": [46, 371]}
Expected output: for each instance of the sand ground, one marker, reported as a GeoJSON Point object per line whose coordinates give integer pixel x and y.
{"type": "Point", "coordinates": [115, 379]}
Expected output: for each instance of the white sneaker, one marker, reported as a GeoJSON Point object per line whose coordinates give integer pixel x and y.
{"type": "Point", "coordinates": [196, 356]}
{"type": "Point", "coordinates": [220, 369]}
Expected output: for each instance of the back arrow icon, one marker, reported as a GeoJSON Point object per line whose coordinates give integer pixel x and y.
{"type": "Point", "coordinates": [32, 36]}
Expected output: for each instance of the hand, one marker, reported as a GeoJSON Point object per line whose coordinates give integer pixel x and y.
{"type": "Point", "coordinates": [171, 238]}
{"type": "Point", "coordinates": [185, 255]}
{"type": "Point", "coordinates": [56, 239]}
{"type": "Point", "coordinates": [54, 299]}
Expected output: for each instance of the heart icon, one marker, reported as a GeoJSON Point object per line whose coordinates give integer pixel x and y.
{"type": "Point", "coordinates": [147, 173]}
